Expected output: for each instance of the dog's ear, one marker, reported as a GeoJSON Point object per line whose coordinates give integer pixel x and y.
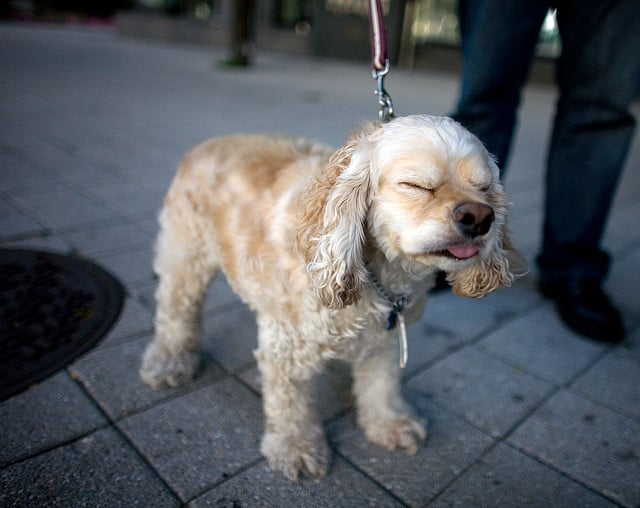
{"type": "Point", "coordinates": [332, 216]}
{"type": "Point", "coordinates": [500, 268]}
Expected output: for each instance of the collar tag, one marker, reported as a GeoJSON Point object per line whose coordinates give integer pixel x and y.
{"type": "Point", "coordinates": [395, 317]}
{"type": "Point", "coordinates": [402, 337]}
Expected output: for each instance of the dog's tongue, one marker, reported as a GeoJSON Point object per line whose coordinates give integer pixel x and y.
{"type": "Point", "coordinates": [463, 251]}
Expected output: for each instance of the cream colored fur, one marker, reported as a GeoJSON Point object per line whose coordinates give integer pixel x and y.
{"type": "Point", "coordinates": [298, 231]}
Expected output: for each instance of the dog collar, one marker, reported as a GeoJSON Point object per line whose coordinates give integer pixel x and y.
{"type": "Point", "coordinates": [396, 316]}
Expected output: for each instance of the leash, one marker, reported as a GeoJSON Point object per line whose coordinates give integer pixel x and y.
{"type": "Point", "coordinates": [379, 70]}
{"type": "Point", "coordinates": [379, 58]}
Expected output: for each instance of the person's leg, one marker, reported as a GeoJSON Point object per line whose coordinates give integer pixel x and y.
{"type": "Point", "coordinates": [498, 41]}
{"type": "Point", "coordinates": [599, 76]}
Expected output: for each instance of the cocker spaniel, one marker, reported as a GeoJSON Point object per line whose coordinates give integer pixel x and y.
{"type": "Point", "coordinates": [333, 251]}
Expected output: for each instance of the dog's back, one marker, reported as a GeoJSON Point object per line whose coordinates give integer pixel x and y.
{"type": "Point", "coordinates": [234, 198]}
{"type": "Point", "coordinates": [241, 168]}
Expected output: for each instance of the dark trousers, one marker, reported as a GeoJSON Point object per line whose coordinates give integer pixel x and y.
{"type": "Point", "coordinates": [598, 76]}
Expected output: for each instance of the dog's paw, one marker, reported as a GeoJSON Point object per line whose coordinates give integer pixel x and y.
{"type": "Point", "coordinates": [160, 369]}
{"type": "Point", "coordinates": [307, 454]}
{"type": "Point", "coordinates": [401, 431]}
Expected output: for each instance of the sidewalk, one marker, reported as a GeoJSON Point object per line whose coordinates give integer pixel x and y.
{"type": "Point", "coordinates": [521, 411]}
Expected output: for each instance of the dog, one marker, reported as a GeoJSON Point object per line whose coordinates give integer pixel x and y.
{"type": "Point", "coordinates": [323, 246]}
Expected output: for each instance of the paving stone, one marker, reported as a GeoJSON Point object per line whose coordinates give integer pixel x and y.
{"type": "Point", "coordinates": [103, 172]}
{"type": "Point", "coordinates": [231, 337]}
{"type": "Point", "coordinates": [526, 228]}
{"type": "Point", "coordinates": [46, 242]}
{"type": "Point", "coordinates": [622, 232]}
{"type": "Point", "coordinates": [19, 177]}
{"type": "Point", "coordinates": [109, 239]}
{"type": "Point", "coordinates": [614, 382]}
{"type": "Point", "coordinates": [30, 149]}
{"type": "Point", "coordinates": [14, 223]}
{"type": "Point", "coordinates": [508, 478]}
{"type": "Point", "coordinates": [50, 154]}
{"type": "Point", "coordinates": [111, 376]}
{"type": "Point", "coordinates": [52, 412]}
{"type": "Point", "coordinates": [144, 293]}
{"type": "Point", "coordinates": [467, 318]}
{"type": "Point", "coordinates": [158, 185]}
{"type": "Point", "coordinates": [588, 442]}
{"type": "Point", "coordinates": [622, 286]}
{"type": "Point", "coordinates": [63, 208]}
{"type": "Point", "coordinates": [334, 390]}
{"type": "Point", "coordinates": [539, 343]}
{"type": "Point", "coordinates": [261, 487]}
{"type": "Point", "coordinates": [133, 269]}
{"type": "Point", "coordinates": [220, 296]}
{"type": "Point", "coordinates": [128, 199]}
{"type": "Point", "coordinates": [451, 447]}
{"type": "Point", "coordinates": [201, 438]}
{"type": "Point", "coordinates": [149, 225]}
{"type": "Point", "coordinates": [425, 344]}
{"type": "Point", "coordinates": [98, 470]}
{"type": "Point", "coordinates": [135, 320]}
{"type": "Point", "coordinates": [489, 394]}
{"type": "Point", "coordinates": [526, 199]}
{"type": "Point", "coordinates": [632, 346]}
{"type": "Point", "coordinates": [251, 376]}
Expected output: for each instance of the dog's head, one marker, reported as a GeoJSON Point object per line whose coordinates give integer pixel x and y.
{"type": "Point", "coordinates": [425, 191]}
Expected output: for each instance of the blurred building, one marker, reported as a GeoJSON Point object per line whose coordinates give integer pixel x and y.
{"type": "Point", "coordinates": [421, 33]}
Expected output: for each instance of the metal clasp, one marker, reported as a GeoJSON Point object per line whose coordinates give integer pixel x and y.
{"type": "Point", "coordinates": [384, 99]}
{"type": "Point", "coordinates": [400, 304]}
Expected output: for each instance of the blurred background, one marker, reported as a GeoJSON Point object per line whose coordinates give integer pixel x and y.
{"type": "Point", "coordinates": [421, 33]}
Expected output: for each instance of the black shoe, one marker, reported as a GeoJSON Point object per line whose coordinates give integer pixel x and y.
{"type": "Point", "coordinates": [586, 310]}
{"type": "Point", "coordinates": [235, 61]}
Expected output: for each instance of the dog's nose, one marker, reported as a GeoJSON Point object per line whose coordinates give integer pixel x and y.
{"type": "Point", "coordinates": [473, 219]}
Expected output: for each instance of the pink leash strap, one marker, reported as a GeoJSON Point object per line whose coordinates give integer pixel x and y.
{"type": "Point", "coordinates": [379, 58]}
{"type": "Point", "coordinates": [378, 36]}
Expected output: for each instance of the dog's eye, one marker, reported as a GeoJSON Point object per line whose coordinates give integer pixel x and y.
{"type": "Point", "coordinates": [482, 186]}
{"type": "Point", "coordinates": [481, 181]}
{"type": "Point", "coordinates": [415, 187]}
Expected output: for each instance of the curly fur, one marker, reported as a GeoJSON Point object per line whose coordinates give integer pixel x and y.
{"type": "Point", "coordinates": [298, 231]}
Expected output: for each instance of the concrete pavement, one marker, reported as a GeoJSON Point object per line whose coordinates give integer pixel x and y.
{"type": "Point", "coordinates": [521, 411]}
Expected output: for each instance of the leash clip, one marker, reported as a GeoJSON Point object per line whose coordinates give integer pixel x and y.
{"type": "Point", "coordinates": [384, 99]}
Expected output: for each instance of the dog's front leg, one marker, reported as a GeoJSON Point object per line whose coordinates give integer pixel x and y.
{"type": "Point", "coordinates": [383, 414]}
{"type": "Point", "coordinates": [294, 440]}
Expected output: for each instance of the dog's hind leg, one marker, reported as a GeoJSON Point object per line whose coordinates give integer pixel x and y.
{"type": "Point", "coordinates": [184, 268]}
{"type": "Point", "coordinates": [383, 414]}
